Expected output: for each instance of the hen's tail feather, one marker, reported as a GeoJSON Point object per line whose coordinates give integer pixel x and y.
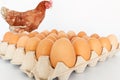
{"type": "Point", "coordinates": [4, 12]}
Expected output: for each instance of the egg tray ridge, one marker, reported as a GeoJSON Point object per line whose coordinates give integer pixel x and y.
{"type": "Point", "coordinates": [42, 69]}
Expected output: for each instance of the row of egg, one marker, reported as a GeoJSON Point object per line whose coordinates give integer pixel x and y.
{"type": "Point", "coordinates": [60, 46]}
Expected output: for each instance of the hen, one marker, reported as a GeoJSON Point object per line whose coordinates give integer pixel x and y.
{"type": "Point", "coordinates": [26, 21]}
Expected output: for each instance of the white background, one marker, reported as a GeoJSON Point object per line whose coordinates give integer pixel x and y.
{"type": "Point", "coordinates": [92, 16]}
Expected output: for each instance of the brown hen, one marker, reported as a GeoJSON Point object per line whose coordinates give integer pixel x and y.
{"type": "Point", "coordinates": [26, 21]}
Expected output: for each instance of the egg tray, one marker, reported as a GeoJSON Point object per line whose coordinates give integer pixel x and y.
{"type": "Point", "coordinates": [42, 69]}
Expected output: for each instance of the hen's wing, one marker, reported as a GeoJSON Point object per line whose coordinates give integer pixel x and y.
{"type": "Point", "coordinates": [32, 19]}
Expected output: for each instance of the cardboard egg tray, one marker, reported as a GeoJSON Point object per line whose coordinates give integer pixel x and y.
{"type": "Point", "coordinates": [42, 69]}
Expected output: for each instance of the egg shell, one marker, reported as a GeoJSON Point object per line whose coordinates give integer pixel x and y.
{"type": "Point", "coordinates": [32, 44]}
{"type": "Point", "coordinates": [45, 32]}
{"type": "Point", "coordinates": [40, 36]}
{"type": "Point", "coordinates": [82, 48]}
{"type": "Point", "coordinates": [74, 38]}
{"type": "Point", "coordinates": [44, 48]}
{"type": "Point", "coordinates": [105, 43]}
{"type": "Point", "coordinates": [81, 34]}
{"type": "Point", "coordinates": [22, 41]}
{"type": "Point", "coordinates": [95, 36]}
{"type": "Point", "coordinates": [32, 34]}
{"type": "Point", "coordinates": [7, 36]}
{"type": "Point", "coordinates": [55, 35]}
{"type": "Point", "coordinates": [14, 38]}
{"type": "Point", "coordinates": [71, 34]}
{"type": "Point", "coordinates": [62, 34]}
{"type": "Point", "coordinates": [52, 36]}
{"type": "Point", "coordinates": [86, 37]}
{"type": "Point", "coordinates": [63, 51]}
{"type": "Point", "coordinates": [113, 40]}
{"type": "Point", "coordinates": [95, 45]}
{"type": "Point", "coordinates": [54, 31]}
{"type": "Point", "coordinates": [23, 34]}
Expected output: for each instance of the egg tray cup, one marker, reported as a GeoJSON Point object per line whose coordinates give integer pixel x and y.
{"type": "Point", "coordinates": [113, 51]}
{"type": "Point", "coordinates": [28, 63]}
{"type": "Point", "coordinates": [42, 69]}
{"type": "Point", "coordinates": [18, 56]}
{"type": "Point", "coordinates": [9, 52]}
{"type": "Point", "coordinates": [3, 47]}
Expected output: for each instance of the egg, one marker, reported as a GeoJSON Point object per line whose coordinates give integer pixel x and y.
{"type": "Point", "coordinates": [71, 34]}
{"type": "Point", "coordinates": [45, 32]}
{"type": "Point", "coordinates": [86, 37]}
{"type": "Point", "coordinates": [44, 48]}
{"type": "Point", "coordinates": [7, 36]}
{"type": "Point", "coordinates": [55, 35]}
{"type": "Point", "coordinates": [63, 51]}
{"type": "Point", "coordinates": [32, 44]}
{"type": "Point", "coordinates": [52, 37]}
{"type": "Point", "coordinates": [95, 36]}
{"type": "Point", "coordinates": [54, 31]}
{"type": "Point", "coordinates": [14, 38]}
{"type": "Point", "coordinates": [82, 48]}
{"type": "Point", "coordinates": [114, 41]}
{"type": "Point", "coordinates": [22, 41]}
{"type": "Point", "coordinates": [105, 42]}
{"type": "Point", "coordinates": [95, 45]}
{"type": "Point", "coordinates": [23, 34]}
{"type": "Point", "coordinates": [81, 34]}
{"type": "Point", "coordinates": [74, 38]}
{"type": "Point", "coordinates": [40, 36]}
{"type": "Point", "coordinates": [62, 34]}
{"type": "Point", "coordinates": [32, 34]}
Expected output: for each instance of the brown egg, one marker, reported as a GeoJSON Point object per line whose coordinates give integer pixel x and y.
{"type": "Point", "coordinates": [32, 34]}
{"type": "Point", "coordinates": [40, 36]}
{"type": "Point", "coordinates": [95, 45]}
{"type": "Point", "coordinates": [23, 34]}
{"type": "Point", "coordinates": [32, 44]}
{"type": "Point", "coordinates": [7, 36]}
{"type": "Point", "coordinates": [81, 34]}
{"type": "Point", "coordinates": [74, 39]}
{"type": "Point", "coordinates": [71, 34]}
{"type": "Point", "coordinates": [52, 37]}
{"type": "Point", "coordinates": [54, 34]}
{"type": "Point", "coordinates": [54, 31]}
{"type": "Point", "coordinates": [22, 41]}
{"type": "Point", "coordinates": [114, 41]}
{"type": "Point", "coordinates": [95, 36]}
{"type": "Point", "coordinates": [46, 32]}
{"type": "Point", "coordinates": [63, 51]}
{"type": "Point", "coordinates": [14, 38]}
{"type": "Point", "coordinates": [62, 34]}
{"type": "Point", "coordinates": [82, 48]}
{"type": "Point", "coordinates": [86, 37]}
{"type": "Point", "coordinates": [105, 42]}
{"type": "Point", "coordinates": [44, 48]}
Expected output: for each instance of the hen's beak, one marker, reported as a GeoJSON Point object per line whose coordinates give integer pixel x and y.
{"type": "Point", "coordinates": [3, 12]}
